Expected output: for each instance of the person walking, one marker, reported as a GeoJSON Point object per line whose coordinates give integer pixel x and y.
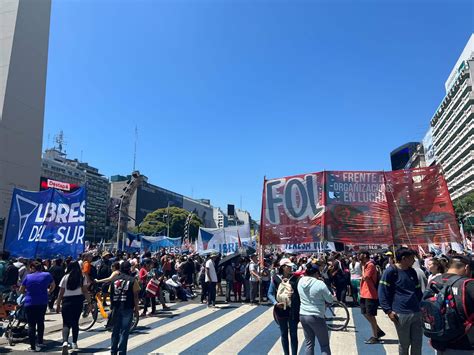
{"type": "Point", "coordinates": [36, 285]}
{"type": "Point", "coordinates": [356, 276]}
{"type": "Point", "coordinates": [72, 292]}
{"type": "Point", "coordinates": [459, 273]}
{"type": "Point", "coordinates": [400, 295]}
{"type": "Point", "coordinates": [314, 294]}
{"type": "Point", "coordinates": [286, 316]}
{"type": "Point", "coordinates": [124, 302]}
{"type": "Point", "coordinates": [254, 279]}
{"type": "Point", "coordinates": [369, 298]}
{"type": "Point", "coordinates": [211, 280]}
{"type": "Point", "coordinates": [57, 272]}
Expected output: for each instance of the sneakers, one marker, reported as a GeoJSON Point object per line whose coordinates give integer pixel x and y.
{"type": "Point", "coordinates": [74, 346]}
{"type": "Point", "coordinates": [65, 348]}
{"type": "Point", "coordinates": [372, 340]}
{"type": "Point", "coordinates": [35, 350]}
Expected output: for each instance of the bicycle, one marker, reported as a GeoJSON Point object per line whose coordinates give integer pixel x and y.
{"type": "Point", "coordinates": [90, 313]}
{"type": "Point", "coordinates": [337, 316]}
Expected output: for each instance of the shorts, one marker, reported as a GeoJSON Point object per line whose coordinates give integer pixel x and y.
{"type": "Point", "coordinates": [369, 306]}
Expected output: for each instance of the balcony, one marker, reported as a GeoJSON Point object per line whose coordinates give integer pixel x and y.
{"type": "Point", "coordinates": [459, 152]}
{"type": "Point", "coordinates": [456, 168]}
{"type": "Point", "coordinates": [459, 93]}
{"type": "Point", "coordinates": [462, 137]}
{"type": "Point", "coordinates": [463, 190]}
{"type": "Point", "coordinates": [440, 141]}
{"type": "Point", "coordinates": [469, 173]}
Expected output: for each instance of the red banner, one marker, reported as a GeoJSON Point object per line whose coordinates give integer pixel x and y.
{"type": "Point", "coordinates": [359, 207]}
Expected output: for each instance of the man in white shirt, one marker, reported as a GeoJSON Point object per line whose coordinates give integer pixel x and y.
{"type": "Point", "coordinates": [254, 278]}
{"type": "Point", "coordinates": [211, 280]}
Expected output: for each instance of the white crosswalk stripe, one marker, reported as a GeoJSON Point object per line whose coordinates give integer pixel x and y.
{"type": "Point", "coordinates": [233, 329]}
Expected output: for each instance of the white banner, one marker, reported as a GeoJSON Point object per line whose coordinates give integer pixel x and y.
{"type": "Point", "coordinates": [225, 240]}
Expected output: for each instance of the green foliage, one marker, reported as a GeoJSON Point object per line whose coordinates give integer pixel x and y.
{"type": "Point", "coordinates": [463, 207]}
{"type": "Point", "coordinates": [157, 223]}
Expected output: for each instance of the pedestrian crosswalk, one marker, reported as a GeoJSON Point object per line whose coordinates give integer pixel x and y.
{"type": "Point", "coordinates": [192, 328]}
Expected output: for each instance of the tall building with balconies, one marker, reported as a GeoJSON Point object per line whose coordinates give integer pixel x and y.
{"type": "Point", "coordinates": [453, 126]}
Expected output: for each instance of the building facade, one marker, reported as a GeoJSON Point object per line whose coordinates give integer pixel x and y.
{"type": "Point", "coordinates": [24, 38]}
{"type": "Point", "coordinates": [453, 126]}
{"type": "Point", "coordinates": [148, 198]}
{"type": "Point", "coordinates": [55, 165]}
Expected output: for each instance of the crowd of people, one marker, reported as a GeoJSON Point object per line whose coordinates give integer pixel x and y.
{"type": "Point", "coordinates": [299, 286]}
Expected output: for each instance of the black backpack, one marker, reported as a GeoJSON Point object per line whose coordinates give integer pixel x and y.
{"type": "Point", "coordinates": [443, 315]}
{"type": "Point", "coordinates": [104, 271]}
{"type": "Point", "coordinates": [10, 276]}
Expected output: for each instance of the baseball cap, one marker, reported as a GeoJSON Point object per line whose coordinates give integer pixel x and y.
{"type": "Point", "coordinates": [287, 262]}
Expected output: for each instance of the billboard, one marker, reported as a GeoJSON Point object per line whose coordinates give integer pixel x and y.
{"type": "Point", "coordinates": [429, 148]}
{"type": "Point", "coordinates": [47, 183]}
{"type": "Point", "coordinates": [359, 207]}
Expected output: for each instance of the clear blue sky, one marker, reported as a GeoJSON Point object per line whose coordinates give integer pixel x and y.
{"type": "Point", "coordinates": [225, 92]}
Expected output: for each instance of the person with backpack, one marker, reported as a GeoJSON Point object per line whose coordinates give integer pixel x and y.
{"type": "Point", "coordinates": [283, 293]}
{"type": "Point", "coordinates": [400, 295]}
{"type": "Point", "coordinates": [451, 295]}
{"type": "Point", "coordinates": [369, 298]}
{"type": "Point", "coordinates": [73, 291]}
{"type": "Point", "coordinates": [124, 301]}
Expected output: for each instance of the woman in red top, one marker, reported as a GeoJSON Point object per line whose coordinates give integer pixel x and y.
{"type": "Point", "coordinates": [143, 276]}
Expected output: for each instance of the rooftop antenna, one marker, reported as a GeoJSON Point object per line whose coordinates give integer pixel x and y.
{"type": "Point", "coordinates": [135, 148]}
{"type": "Point", "coordinates": [59, 140]}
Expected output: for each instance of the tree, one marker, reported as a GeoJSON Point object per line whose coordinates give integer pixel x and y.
{"type": "Point", "coordinates": [156, 223]}
{"type": "Point", "coordinates": [463, 207]}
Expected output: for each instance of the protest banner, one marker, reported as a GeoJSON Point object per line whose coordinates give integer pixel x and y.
{"type": "Point", "coordinates": [224, 240]}
{"type": "Point", "coordinates": [155, 244]}
{"type": "Point", "coordinates": [46, 224]}
{"type": "Point", "coordinates": [410, 207]}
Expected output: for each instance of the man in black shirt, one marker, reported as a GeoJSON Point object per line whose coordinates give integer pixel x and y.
{"type": "Point", "coordinates": [463, 291]}
{"type": "Point", "coordinates": [57, 272]}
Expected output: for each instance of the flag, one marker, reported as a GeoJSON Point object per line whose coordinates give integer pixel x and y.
{"type": "Point", "coordinates": [421, 251]}
{"type": "Point", "coordinates": [464, 241]}
{"type": "Point", "coordinates": [238, 237]}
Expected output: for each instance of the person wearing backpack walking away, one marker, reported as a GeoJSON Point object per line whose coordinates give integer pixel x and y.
{"type": "Point", "coordinates": [36, 285]}
{"type": "Point", "coordinates": [104, 270]}
{"type": "Point", "coordinates": [124, 301]}
{"type": "Point", "coordinates": [459, 286]}
{"type": "Point", "coordinates": [369, 298]}
{"type": "Point", "coordinates": [400, 296]}
{"type": "Point", "coordinates": [73, 291]}
{"type": "Point", "coordinates": [211, 280]}
{"type": "Point", "coordinates": [286, 302]}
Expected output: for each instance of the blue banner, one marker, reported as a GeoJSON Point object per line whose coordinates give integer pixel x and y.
{"type": "Point", "coordinates": [155, 244]}
{"type": "Point", "coordinates": [46, 224]}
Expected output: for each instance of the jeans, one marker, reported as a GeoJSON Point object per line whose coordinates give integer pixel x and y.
{"type": "Point", "coordinates": [211, 299]}
{"type": "Point", "coordinates": [355, 287]}
{"type": "Point", "coordinates": [315, 327]}
{"type": "Point", "coordinates": [204, 291]}
{"type": "Point", "coordinates": [122, 322]}
{"type": "Point", "coordinates": [253, 290]}
{"type": "Point", "coordinates": [35, 316]}
{"type": "Point", "coordinates": [292, 326]}
{"type": "Point", "coordinates": [228, 289]}
{"type": "Point", "coordinates": [410, 333]}
{"type": "Point", "coordinates": [264, 285]}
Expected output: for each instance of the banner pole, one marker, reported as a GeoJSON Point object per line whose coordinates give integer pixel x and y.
{"type": "Point", "coordinates": [262, 223]}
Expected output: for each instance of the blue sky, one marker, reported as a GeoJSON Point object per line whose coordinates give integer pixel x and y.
{"type": "Point", "coordinates": [226, 92]}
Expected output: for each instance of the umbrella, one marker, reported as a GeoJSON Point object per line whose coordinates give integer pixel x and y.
{"type": "Point", "coordinates": [209, 251]}
{"type": "Point", "coordinates": [242, 252]}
